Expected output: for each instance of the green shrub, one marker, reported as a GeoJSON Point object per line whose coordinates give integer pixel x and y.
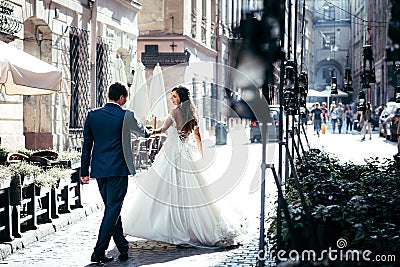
{"type": "Point", "coordinates": [359, 203]}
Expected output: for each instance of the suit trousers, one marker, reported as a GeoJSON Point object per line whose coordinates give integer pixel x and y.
{"type": "Point", "coordinates": [112, 191]}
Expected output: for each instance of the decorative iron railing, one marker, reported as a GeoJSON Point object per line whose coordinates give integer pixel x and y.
{"type": "Point", "coordinates": [9, 24]}
{"type": "Point", "coordinates": [213, 36]}
{"type": "Point", "coordinates": [193, 29]}
{"type": "Point", "coordinates": [204, 30]}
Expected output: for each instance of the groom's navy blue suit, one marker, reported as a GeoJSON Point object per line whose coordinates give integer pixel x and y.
{"type": "Point", "coordinates": [106, 149]}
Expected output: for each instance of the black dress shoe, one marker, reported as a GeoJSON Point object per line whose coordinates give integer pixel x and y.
{"type": "Point", "coordinates": [123, 256]}
{"type": "Point", "coordinates": [102, 259]}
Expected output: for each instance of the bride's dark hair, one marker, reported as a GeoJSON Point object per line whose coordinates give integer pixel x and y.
{"type": "Point", "coordinates": [187, 108]}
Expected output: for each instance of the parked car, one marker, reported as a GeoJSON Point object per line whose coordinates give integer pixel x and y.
{"type": "Point", "coordinates": [382, 118]}
{"type": "Point", "coordinates": [272, 130]}
{"type": "Point", "coordinates": [391, 123]}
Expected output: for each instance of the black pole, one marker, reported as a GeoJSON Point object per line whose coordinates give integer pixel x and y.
{"type": "Point", "coordinates": [302, 35]}
{"type": "Point", "coordinates": [296, 80]}
{"type": "Point", "coordinates": [261, 250]}
{"type": "Point", "coordinates": [281, 144]}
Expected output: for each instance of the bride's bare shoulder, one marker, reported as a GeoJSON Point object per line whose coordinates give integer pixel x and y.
{"type": "Point", "coordinates": [175, 112]}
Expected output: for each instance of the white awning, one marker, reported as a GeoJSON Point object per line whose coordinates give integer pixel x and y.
{"type": "Point", "coordinates": [312, 92]}
{"type": "Point", "coordinates": [24, 74]}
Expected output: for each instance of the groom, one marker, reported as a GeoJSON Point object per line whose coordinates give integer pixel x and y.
{"type": "Point", "coordinates": [106, 148]}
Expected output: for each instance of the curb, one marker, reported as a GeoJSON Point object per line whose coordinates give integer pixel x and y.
{"type": "Point", "coordinates": [43, 230]}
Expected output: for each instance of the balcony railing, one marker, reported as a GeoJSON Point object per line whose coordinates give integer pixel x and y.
{"type": "Point", "coordinates": [193, 31]}
{"type": "Point", "coordinates": [204, 30]}
{"type": "Point", "coordinates": [9, 24]}
{"type": "Point", "coordinates": [213, 36]}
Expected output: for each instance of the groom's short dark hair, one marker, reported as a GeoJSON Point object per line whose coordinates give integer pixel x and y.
{"type": "Point", "coordinates": [116, 90]}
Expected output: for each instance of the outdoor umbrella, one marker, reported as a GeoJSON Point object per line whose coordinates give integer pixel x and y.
{"type": "Point", "coordinates": [339, 94]}
{"type": "Point", "coordinates": [140, 99]}
{"type": "Point", "coordinates": [312, 92]}
{"type": "Point", "coordinates": [24, 74]}
{"type": "Point", "coordinates": [329, 95]}
{"type": "Point", "coordinates": [157, 95]}
{"type": "Point", "coordinates": [120, 75]}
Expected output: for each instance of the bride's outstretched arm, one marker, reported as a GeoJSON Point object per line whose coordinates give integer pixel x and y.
{"type": "Point", "coordinates": [197, 137]}
{"type": "Point", "coordinates": [167, 123]}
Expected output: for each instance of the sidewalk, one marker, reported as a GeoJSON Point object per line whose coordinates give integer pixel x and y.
{"type": "Point", "coordinates": [349, 147]}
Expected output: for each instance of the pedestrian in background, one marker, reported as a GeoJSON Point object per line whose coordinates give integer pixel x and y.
{"type": "Point", "coordinates": [340, 114]}
{"type": "Point", "coordinates": [366, 120]}
{"type": "Point", "coordinates": [325, 112]}
{"type": "Point", "coordinates": [397, 155]}
{"type": "Point", "coordinates": [334, 117]}
{"type": "Point", "coordinates": [317, 117]}
{"type": "Point", "coordinates": [110, 163]}
{"type": "Point", "coordinates": [349, 118]}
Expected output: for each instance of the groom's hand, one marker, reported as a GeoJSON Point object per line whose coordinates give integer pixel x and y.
{"type": "Point", "coordinates": [85, 179]}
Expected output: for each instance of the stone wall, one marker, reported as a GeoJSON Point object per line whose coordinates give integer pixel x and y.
{"type": "Point", "coordinates": [44, 120]}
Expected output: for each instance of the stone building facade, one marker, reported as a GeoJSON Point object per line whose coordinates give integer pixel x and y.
{"type": "Point", "coordinates": [332, 43]}
{"type": "Point", "coordinates": [93, 43]}
{"type": "Point", "coordinates": [378, 13]}
{"type": "Point", "coordinates": [190, 41]}
{"type": "Point", "coordinates": [370, 22]}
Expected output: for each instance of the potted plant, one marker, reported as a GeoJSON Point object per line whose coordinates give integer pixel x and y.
{"type": "Point", "coordinates": [70, 159]}
{"type": "Point", "coordinates": [62, 176]}
{"type": "Point", "coordinates": [5, 177]}
{"type": "Point", "coordinates": [53, 177]}
{"type": "Point", "coordinates": [27, 171]}
{"type": "Point", "coordinates": [3, 155]}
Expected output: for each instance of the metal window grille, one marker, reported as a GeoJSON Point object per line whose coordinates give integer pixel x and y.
{"type": "Point", "coordinates": [204, 30]}
{"type": "Point", "coordinates": [103, 75]}
{"type": "Point", "coordinates": [194, 93]}
{"type": "Point", "coordinates": [79, 68]}
{"type": "Point", "coordinates": [193, 29]}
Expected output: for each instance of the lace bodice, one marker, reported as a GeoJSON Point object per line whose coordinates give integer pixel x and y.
{"type": "Point", "coordinates": [174, 131]}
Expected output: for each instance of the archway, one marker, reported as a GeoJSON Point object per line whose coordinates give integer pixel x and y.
{"type": "Point", "coordinates": [323, 73]}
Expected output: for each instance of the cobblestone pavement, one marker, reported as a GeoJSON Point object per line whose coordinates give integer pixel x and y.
{"type": "Point", "coordinates": [73, 245]}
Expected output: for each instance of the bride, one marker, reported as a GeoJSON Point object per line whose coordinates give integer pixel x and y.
{"type": "Point", "coordinates": [172, 202]}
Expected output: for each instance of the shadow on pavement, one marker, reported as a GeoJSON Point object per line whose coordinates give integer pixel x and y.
{"type": "Point", "coordinates": [145, 252]}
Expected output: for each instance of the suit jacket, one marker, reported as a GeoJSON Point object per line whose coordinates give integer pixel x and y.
{"type": "Point", "coordinates": [107, 141]}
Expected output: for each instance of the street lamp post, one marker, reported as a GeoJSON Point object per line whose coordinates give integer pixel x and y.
{"type": "Point", "coordinates": [348, 81]}
{"type": "Point", "coordinates": [334, 89]}
{"type": "Point", "coordinates": [361, 98]}
{"type": "Point", "coordinates": [368, 74]}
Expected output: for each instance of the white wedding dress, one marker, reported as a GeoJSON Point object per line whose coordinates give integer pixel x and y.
{"type": "Point", "coordinates": [172, 201]}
